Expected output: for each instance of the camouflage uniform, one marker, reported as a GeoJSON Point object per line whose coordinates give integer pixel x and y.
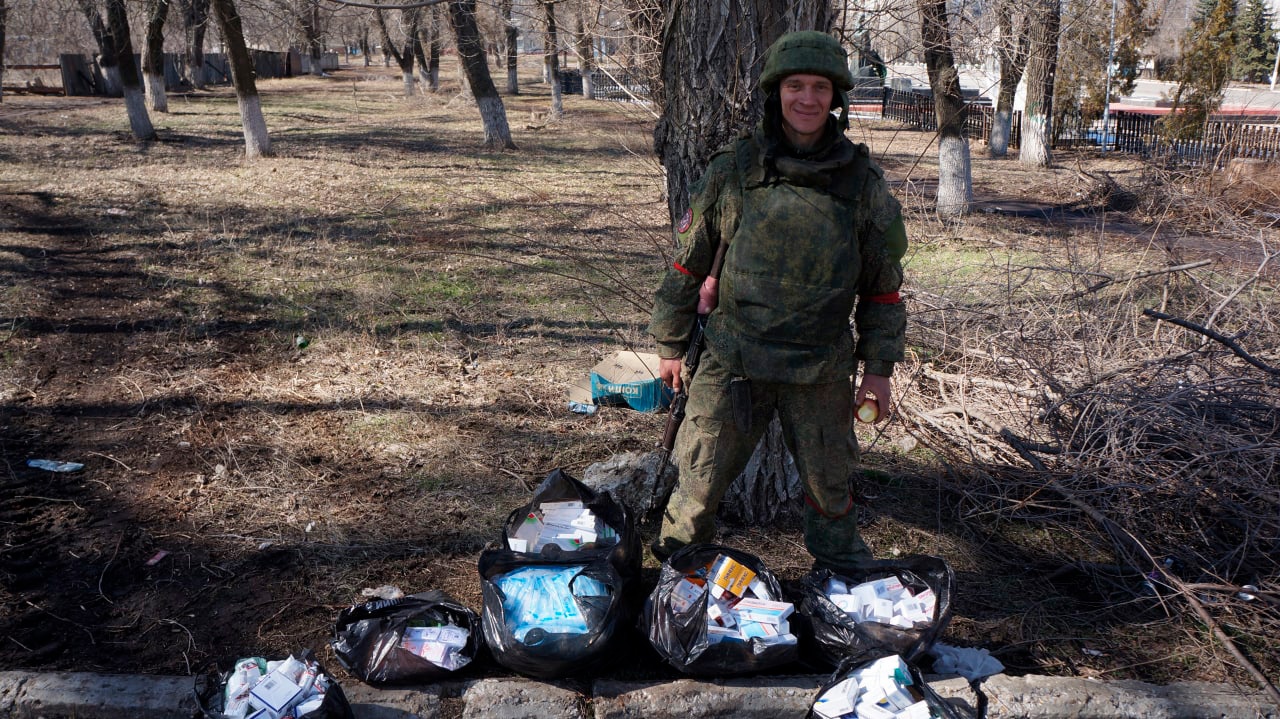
{"type": "Point", "coordinates": [811, 237]}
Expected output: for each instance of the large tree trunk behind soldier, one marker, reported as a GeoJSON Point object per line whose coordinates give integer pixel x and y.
{"type": "Point", "coordinates": [493, 114]}
{"type": "Point", "coordinates": [256, 141]}
{"type": "Point", "coordinates": [711, 58]}
{"type": "Point", "coordinates": [955, 174]}
{"type": "Point", "coordinates": [1037, 132]}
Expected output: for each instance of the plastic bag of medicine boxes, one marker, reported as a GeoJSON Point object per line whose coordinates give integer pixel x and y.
{"type": "Point", "coordinates": [718, 611]}
{"type": "Point", "coordinates": [883, 688]}
{"type": "Point", "coordinates": [297, 687]}
{"type": "Point", "coordinates": [418, 638]}
{"type": "Point", "coordinates": [893, 606]}
{"type": "Point", "coordinates": [558, 592]}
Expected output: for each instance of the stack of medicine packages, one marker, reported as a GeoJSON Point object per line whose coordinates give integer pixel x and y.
{"type": "Point", "coordinates": [881, 689]}
{"type": "Point", "coordinates": [288, 689]}
{"type": "Point", "coordinates": [416, 638]}
{"type": "Point", "coordinates": [553, 592]}
{"type": "Point", "coordinates": [719, 611]}
{"type": "Point", "coordinates": [886, 600]}
{"type": "Point", "coordinates": [898, 606]}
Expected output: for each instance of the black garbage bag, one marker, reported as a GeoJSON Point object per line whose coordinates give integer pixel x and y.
{"type": "Point", "coordinates": [210, 689]}
{"type": "Point", "coordinates": [622, 549]}
{"type": "Point", "coordinates": [683, 638]}
{"type": "Point", "coordinates": [839, 638]}
{"type": "Point", "coordinates": [836, 694]}
{"type": "Point", "coordinates": [380, 642]}
{"type": "Point", "coordinates": [562, 606]}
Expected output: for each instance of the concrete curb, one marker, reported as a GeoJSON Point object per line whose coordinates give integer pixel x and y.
{"type": "Point", "coordinates": [30, 695]}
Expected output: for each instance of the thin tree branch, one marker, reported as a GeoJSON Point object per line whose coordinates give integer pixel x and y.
{"type": "Point", "coordinates": [1217, 336]}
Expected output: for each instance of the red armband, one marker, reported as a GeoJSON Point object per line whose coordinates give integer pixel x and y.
{"type": "Point", "coordinates": [889, 298]}
{"type": "Point", "coordinates": [681, 269]}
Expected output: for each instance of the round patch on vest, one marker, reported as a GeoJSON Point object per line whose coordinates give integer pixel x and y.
{"type": "Point", "coordinates": [687, 222]}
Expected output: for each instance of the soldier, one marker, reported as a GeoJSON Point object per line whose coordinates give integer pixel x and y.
{"type": "Point", "coordinates": [812, 233]}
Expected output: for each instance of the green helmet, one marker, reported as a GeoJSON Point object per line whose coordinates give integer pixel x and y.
{"type": "Point", "coordinates": [810, 52]}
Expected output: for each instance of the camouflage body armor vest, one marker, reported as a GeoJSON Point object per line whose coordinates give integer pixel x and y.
{"type": "Point", "coordinates": [790, 278]}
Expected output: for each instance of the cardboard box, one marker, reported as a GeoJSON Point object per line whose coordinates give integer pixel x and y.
{"type": "Point", "coordinates": [626, 378]}
{"type": "Point", "coordinates": [275, 692]}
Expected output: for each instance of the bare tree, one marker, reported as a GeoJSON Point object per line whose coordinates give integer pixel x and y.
{"type": "Point", "coordinates": [586, 46]}
{"type": "Point", "coordinates": [493, 114]}
{"type": "Point", "coordinates": [256, 141]}
{"type": "Point", "coordinates": [1012, 52]}
{"type": "Point", "coordinates": [365, 47]}
{"type": "Point", "coordinates": [153, 58]}
{"type": "Point", "coordinates": [195, 20]}
{"type": "Point", "coordinates": [955, 174]}
{"type": "Point", "coordinates": [115, 45]}
{"type": "Point", "coordinates": [1042, 66]}
{"type": "Point", "coordinates": [310, 26]}
{"type": "Point", "coordinates": [433, 50]}
{"type": "Point", "coordinates": [4, 16]}
{"type": "Point", "coordinates": [403, 59]}
{"type": "Point", "coordinates": [552, 59]}
{"type": "Point", "coordinates": [513, 49]}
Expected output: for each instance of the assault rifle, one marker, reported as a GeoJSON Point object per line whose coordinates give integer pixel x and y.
{"type": "Point", "coordinates": [708, 298]}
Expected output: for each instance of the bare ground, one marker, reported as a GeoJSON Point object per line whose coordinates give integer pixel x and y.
{"type": "Point", "coordinates": [340, 368]}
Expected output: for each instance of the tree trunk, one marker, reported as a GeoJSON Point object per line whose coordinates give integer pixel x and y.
{"type": "Point", "coordinates": [421, 40]}
{"type": "Point", "coordinates": [1012, 51]}
{"type": "Point", "coordinates": [513, 50]}
{"type": "Point", "coordinates": [308, 18]}
{"type": "Point", "coordinates": [493, 114]}
{"type": "Point", "coordinates": [195, 17]}
{"type": "Point", "coordinates": [553, 61]}
{"type": "Point", "coordinates": [107, 57]}
{"type": "Point", "coordinates": [711, 56]}
{"type": "Point", "coordinates": [955, 178]}
{"type": "Point", "coordinates": [153, 58]}
{"type": "Point", "coordinates": [433, 51]}
{"type": "Point", "coordinates": [256, 141]}
{"type": "Point", "coordinates": [586, 54]}
{"type": "Point", "coordinates": [4, 13]}
{"type": "Point", "coordinates": [364, 45]}
{"type": "Point", "coordinates": [116, 45]}
{"type": "Point", "coordinates": [403, 59]}
{"type": "Point", "coordinates": [1042, 65]}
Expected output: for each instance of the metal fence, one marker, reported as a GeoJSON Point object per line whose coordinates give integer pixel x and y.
{"type": "Point", "coordinates": [1224, 137]}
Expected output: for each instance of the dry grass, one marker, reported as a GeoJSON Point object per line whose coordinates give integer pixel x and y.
{"type": "Point", "coordinates": [342, 366]}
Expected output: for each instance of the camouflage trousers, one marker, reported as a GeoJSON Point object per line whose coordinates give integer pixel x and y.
{"type": "Point", "coordinates": [817, 428]}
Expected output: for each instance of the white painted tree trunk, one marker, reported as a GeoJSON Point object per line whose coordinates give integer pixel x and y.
{"type": "Point", "coordinates": [588, 87]}
{"type": "Point", "coordinates": [955, 177]}
{"type": "Point", "coordinates": [256, 141]}
{"type": "Point", "coordinates": [410, 84]}
{"type": "Point", "coordinates": [1001, 130]}
{"type": "Point", "coordinates": [156, 97]}
{"type": "Point", "coordinates": [1035, 139]}
{"type": "Point", "coordinates": [493, 114]}
{"type": "Point", "coordinates": [139, 121]}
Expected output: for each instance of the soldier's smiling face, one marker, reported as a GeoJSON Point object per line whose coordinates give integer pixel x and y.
{"type": "Point", "coordinates": [806, 103]}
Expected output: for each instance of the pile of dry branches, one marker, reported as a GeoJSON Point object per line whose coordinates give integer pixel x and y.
{"type": "Point", "coordinates": [1137, 410]}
